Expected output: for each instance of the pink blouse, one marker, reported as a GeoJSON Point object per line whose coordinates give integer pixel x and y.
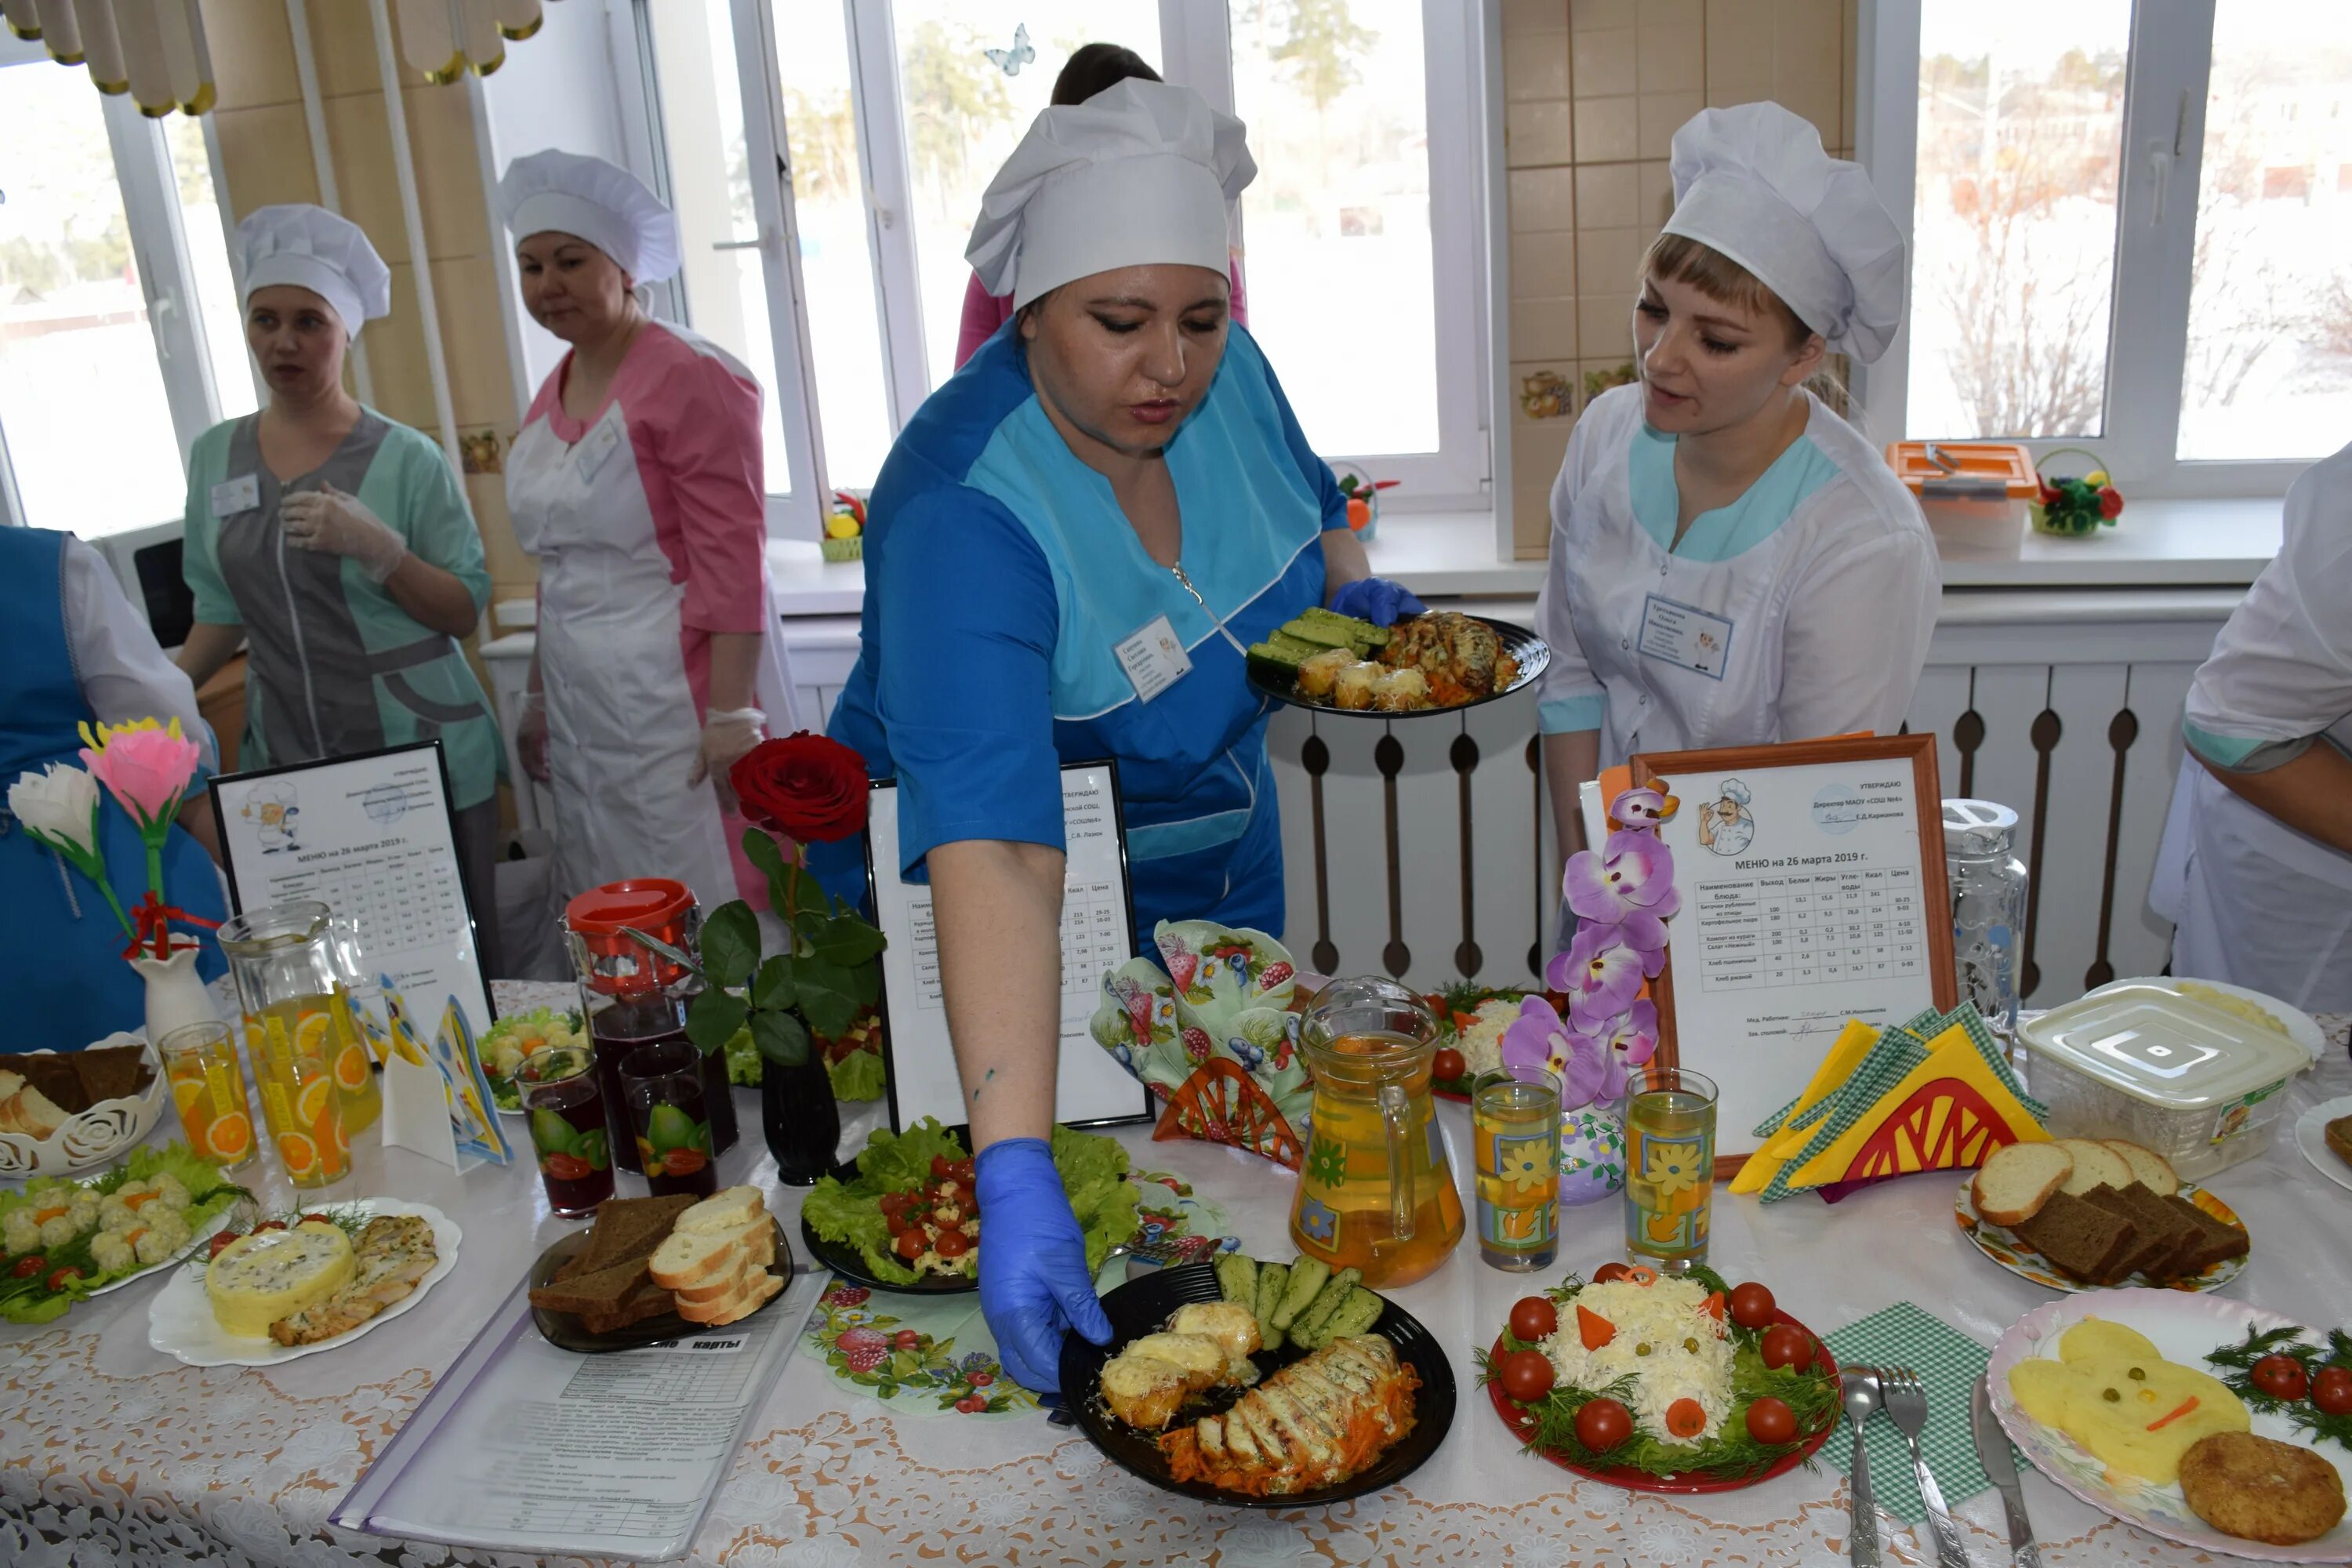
{"type": "Point", "coordinates": [984, 312]}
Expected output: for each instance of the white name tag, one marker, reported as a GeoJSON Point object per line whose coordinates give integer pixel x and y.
{"type": "Point", "coordinates": [596, 447]}
{"type": "Point", "coordinates": [1154, 658]}
{"type": "Point", "coordinates": [1682, 635]}
{"type": "Point", "coordinates": [233, 495]}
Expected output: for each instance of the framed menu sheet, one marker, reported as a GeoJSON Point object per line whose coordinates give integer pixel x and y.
{"type": "Point", "coordinates": [1098, 933]}
{"type": "Point", "coordinates": [1812, 879]}
{"type": "Point", "coordinates": [371, 837]}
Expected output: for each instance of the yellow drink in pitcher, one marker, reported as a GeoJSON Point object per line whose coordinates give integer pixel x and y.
{"type": "Point", "coordinates": [354, 1073]}
{"type": "Point", "coordinates": [299, 1101]}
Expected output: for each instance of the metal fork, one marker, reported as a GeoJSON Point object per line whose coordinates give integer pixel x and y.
{"type": "Point", "coordinates": [1166, 1252]}
{"type": "Point", "coordinates": [1905, 1399]}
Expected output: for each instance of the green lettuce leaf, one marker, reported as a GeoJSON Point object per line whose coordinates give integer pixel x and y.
{"type": "Point", "coordinates": [211, 1194]}
{"type": "Point", "coordinates": [857, 1076]}
{"type": "Point", "coordinates": [1094, 1175]}
{"type": "Point", "coordinates": [902, 1163]}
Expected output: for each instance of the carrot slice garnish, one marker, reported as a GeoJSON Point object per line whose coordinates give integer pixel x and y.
{"type": "Point", "coordinates": [1642, 1274]}
{"type": "Point", "coordinates": [2160, 1423]}
{"type": "Point", "coordinates": [1715, 1305]}
{"type": "Point", "coordinates": [1592, 1329]}
{"type": "Point", "coordinates": [1686, 1418]}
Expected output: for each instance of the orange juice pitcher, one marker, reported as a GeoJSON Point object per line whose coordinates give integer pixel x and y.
{"type": "Point", "coordinates": [1377, 1193]}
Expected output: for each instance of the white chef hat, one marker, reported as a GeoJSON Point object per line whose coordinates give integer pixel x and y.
{"type": "Point", "coordinates": [1735, 792]}
{"type": "Point", "coordinates": [1137, 175]}
{"type": "Point", "coordinates": [312, 249]}
{"type": "Point", "coordinates": [1752, 182]}
{"type": "Point", "coordinates": [602, 203]}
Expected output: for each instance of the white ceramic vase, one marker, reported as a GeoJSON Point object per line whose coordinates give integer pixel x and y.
{"type": "Point", "coordinates": [176, 994]}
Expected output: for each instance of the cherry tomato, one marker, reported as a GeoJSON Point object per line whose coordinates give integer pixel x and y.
{"type": "Point", "coordinates": [1603, 1424]}
{"type": "Point", "coordinates": [1447, 1066]}
{"type": "Point", "coordinates": [322, 1219]}
{"type": "Point", "coordinates": [1785, 1344]}
{"type": "Point", "coordinates": [940, 1163]}
{"type": "Point", "coordinates": [892, 1204]}
{"type": "Point", "coordinates": [1608, 1273]}
{"type": "Point", "coordinates": [896, 1222]}
{"type": "Point", "coordinates": [1686, 1418]}
{"type": "Point", "coordinates": [270, 1225]}
{"type": "Point", "coordinates": [964, 1198]}
{"type": "Point", "coordinates": [964, 1171]}
{"type": "Point", "coordinates": [1526, 1375]}
{"type": "Point", "coordinates": [220, 1241]}
{"type": "Point", "coordinates": [1534, 1318]}
{"type": "Point", "coordinates": [568, 1167]}
{"type": "Point", "coordinates": [1752, 1306]}
{"type": "Point", "coordinates": [32, 1263]}
{"type": "Point", "coordinates": [1771, 1420]}
{"type": "Point", "coordinates": [2332, 1390]}
{"type": "Point", "coordinates": [952, 1243]}
{"type": "Point", "coordinates": [56, 1281]}
{"type": "Point", "coordinates": [909, 1245]}
{"type": "Point", "coordinates": [2280, 1376]}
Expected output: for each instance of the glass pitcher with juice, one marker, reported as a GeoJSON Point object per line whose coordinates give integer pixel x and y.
{"type": "Point", "coordinates": [1377, 1193]}
{"type": "Point", "coordinates": [634, 995]}
{"type": "Point", "coordinates": [307, 1064]}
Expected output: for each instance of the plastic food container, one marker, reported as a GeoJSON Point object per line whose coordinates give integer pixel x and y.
{"type": "Point", "coordinates": [1975, 498]}
{"type": "Point", "coordinates": [2138, 1059]}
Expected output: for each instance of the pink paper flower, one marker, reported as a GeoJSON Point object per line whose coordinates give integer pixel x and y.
{"type": "Point", "coordinates": [1628, 1041]}
{"type": "Point", "coordinates": [145, 766]}
{"type": "Point", "coordinates": [1600, 972]}
{"type": "Point", "coordinates": [1633, 872]}
{"type": "Point", "coordinates": [1536, 1037]}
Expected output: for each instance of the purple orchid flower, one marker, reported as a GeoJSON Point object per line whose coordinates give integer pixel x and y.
{"type": "Point", "coordinates": [1602, 973]}
{"type": "Point", "coordinates": [1537, 1037]}
{"type": "Point", "coordinates": [1642, 808]}
{"type": "Point", "coordinates": [1633, 872]}
{"type": "Point", "coordinates": [1626, 1043]}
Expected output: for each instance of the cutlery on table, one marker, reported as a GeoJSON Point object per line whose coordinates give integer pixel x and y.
{"type": "Point", "coordinates": [1861, 1385]}
{"type": "Point", "coordinates": [1906, 1398]}
{"type": "Point", "coordinates": [2000, 1468]}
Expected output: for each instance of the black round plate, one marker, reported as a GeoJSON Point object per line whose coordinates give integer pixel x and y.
{"type": "Point", "coordinates": [1142, 1305]}
{"type": "Point", "coordinates": [1532, 652]}
{"type": "Point", "coordinates": [563, 1330]}
{"type": "Point", "coordinates": [850, 1264]}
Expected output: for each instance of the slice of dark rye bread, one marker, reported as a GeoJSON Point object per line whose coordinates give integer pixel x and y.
{"type": "Point", "coordinates": [75, 1080]}
{"type": "Point", "coordinates": [2081, 1239]}
{"type": "Point", "coordinates": [626, 1228]}
{"type": "Point", "coordinates": [2224, 1240]}
{"type": "Point", "coordinates": [2168, 1238]}
{"type": "Point", "coordinates": [605, 1284]}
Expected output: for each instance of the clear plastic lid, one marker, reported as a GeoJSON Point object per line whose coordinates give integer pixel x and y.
{"type": "Point", "coordinates": [2155, 1045]}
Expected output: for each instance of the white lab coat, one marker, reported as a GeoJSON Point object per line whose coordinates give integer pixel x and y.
{"type": "Point", "coordinates": [1828, 616]}
{"type": "Point", "coordinates": [2254, 902]}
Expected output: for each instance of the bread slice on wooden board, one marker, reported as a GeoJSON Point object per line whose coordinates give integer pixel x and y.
{"type": "Point", "coordinates": [2096, 1165]}
{"type": "Point", "coordinates": [2150, 1169]}
{"type": "Point", "coordinates": [728, 1210]}
{"type": "Point", "coordinates": [2081, 1239]}
{"type": "Point", "coordinates": [2016, 1179]}
{"type": "Point", "coordinates": [742, 1304]}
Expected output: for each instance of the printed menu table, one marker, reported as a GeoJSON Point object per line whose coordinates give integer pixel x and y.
{"type": "Point", "coordinates": [112, 1451]}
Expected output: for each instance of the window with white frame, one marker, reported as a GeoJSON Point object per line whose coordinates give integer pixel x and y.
{"type": "Point", "coordinates": [2129, 224]}
{"type": "Point", "coordinates": [118, 325]}
{"type": "Point", "coordinates": [1359, 247]}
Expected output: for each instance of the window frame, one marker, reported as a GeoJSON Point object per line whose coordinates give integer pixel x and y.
{"type": "Point", "coordinates": [2165, 88]}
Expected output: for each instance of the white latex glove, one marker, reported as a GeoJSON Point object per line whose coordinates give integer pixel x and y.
{"type": "Point", "coordinates": [727, 734]}
{"type": "Point", "coordinates": [340, 524]}
{"type": "Point", "coordinates": [530, 735]}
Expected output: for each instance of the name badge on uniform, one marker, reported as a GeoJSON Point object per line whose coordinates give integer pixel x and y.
{"type": "Point", "coordinates": [241, 493]}
{"type": "Point", "coordinates": [595, 447]}
{"type": "Point", "coordinates": [1154, 658]}
{"type": "Point", "coordinates": [1682, 635]}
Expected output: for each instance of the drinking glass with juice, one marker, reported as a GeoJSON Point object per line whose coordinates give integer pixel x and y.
{"type": "Point", "coordinates": [663, 1086]}
{"type": "Point", "coordinates": [566, 1108]}
{"type": "Point", "coordinates": [298, 1100]}
{"type": "Point", "coordinates": [1669, 1166]}
{"type": "Point", "coordinates": [208, 1091]}
{"type": "Point", "coordinates": [1515, 1126]}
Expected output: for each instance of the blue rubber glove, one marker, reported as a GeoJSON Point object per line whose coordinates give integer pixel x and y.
{"type": "Point", "coordinates": [1034, 1283]}
{"type": "Point", "coordinates": [1377, 600]}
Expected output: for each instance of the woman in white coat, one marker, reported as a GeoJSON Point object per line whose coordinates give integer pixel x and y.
{"type": "Point", "coordinates": [637, 482]}
{"type": "Point", "coordinates": [2256, 869]}
{"type": "Point", "coordinates": [1732, 563]}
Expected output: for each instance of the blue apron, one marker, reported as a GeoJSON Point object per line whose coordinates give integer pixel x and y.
{"type": "Point", "coordinates": [61, 968]}
{"type": "Point", "coordinates": [982, 460]}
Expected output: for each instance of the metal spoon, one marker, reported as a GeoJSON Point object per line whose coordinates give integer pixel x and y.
{"type": "Point", "coordinates": [1862, 1400]}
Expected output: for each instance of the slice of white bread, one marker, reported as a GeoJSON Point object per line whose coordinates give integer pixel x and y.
{"type": "Point", "coordinates": [727, 1309]}
{"type": "Point", "coordinates": [2153, 1171]}
{"type": "Point", "coordinates": [10, 1082]}
{"type": "Point", "coordinates": [2096, 1165]}
{"type": "Point", "coordinates": [688, 1258]}
{"type": "Point", "coordinates": [30, 1113]}
{"type": "Point", "coordinates": [730, 1209]}
{"type": "Point", "coordinates": [2018, 1179]}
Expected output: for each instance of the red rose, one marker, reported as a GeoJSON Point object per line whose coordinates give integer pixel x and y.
{"type": "Point", "coordinates": [2111, 504]}
{"type": "Point", "coordinates": [804, 786]}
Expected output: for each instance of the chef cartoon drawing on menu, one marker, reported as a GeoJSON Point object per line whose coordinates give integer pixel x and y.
{"type": "Point", "coordinates": [1726, 826]}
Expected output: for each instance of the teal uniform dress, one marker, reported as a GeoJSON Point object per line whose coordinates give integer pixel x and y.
{"type": "Point", "coordinates": [1001, 579]}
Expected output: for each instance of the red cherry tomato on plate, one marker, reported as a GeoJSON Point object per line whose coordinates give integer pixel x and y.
{"type": "Point", "coordinates": [1534, 1318]}
{"type": "Point", "coordinates": [270, 1225]}
{"type": "Point", "coordinates": [1447, 1066]}
{"type": "Point", "coordinates": [910, 1245]}
{"type": "Point", "coordinates": [1603, 1424]}
{"type": "Point", "coordinates": [1771, 1420]}
{"type": "Point", "coordinates": [56, 1281]}
{"type": "Point", "coordinates": [322, 1219]}
{"type": "Point", "coordinates": [952, 1243]}
{"type": "Point", "coordinates": [220, 1241]}
{"type": "Point", "coordinates": [896, 1222]}
{"type": "Point", "coordinates": [1785, 1344]}
{"type": "Point", "coordinates": [1606, 1274]}
{"type": "Point", "coordinates": [1752, 1306]}
{"type": "Point", "coordinates": [2280, 1377]}
{"type": "Point", "coordinates": [964, 1171]}
{"type": "Point", "coordinates": [1526, 1375]}
{"type": "Point", "coordinates": [940, 1163]}
{"type": "Point", "coordinates": [2332, 1390]}
{"type": "Point", "coordinates": [892, 1204]}
{"type": "Point", "coordinates": [32, 1263]}
{"type": "Point", "coordinates": [964, 1198]}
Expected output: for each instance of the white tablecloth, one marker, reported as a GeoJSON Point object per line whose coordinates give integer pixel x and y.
{"type": "Point", "coordinates": [111, 1451]}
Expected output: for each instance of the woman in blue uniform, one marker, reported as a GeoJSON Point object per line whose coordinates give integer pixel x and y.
{"type": "Point", "coordinates": [1070, 548]}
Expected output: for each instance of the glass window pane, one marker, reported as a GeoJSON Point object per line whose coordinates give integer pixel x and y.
{"type": "Point", "coordinates": [1337, 268]}
{"type": "Point", "coordinates": [837, 260]}
{"type": "Point", "coordinates": [81, 394]}
{"type": "Point", "coordinates": [202, 227]}
{"type": "Point", "coordinates": [710, 187]}
{"type": "Point", "coordinates": [2020, 145]}
{"type": "Point", "coordinates": [964, 115]}
{"type": "Point", "coordinates": [2269, 371]}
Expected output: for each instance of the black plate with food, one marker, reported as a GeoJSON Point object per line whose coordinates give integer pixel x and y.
{"type": "Point", "coordinates": [850, 1264]}
{"type": "Point", "coordinates": [1440, 662]}
{"type": "Point", "coordinates": [563, 1330]}
{"type": "Point", "coordinates": [1148, 1305]}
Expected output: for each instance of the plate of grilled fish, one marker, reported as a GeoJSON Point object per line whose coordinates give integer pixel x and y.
{"type": "Point", "coordinates": [1435, 662]}
{"type": "Point", "coordinates": [1199, 1394]}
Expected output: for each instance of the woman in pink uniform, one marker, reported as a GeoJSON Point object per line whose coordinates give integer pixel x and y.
{"type": "Point", "coordinates": [637, 481]}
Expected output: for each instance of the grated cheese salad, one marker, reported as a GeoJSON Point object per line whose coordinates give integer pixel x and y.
{"type": "Point", "coordinates": [1664, 1335]}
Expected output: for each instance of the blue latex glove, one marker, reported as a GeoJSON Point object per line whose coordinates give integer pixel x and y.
{"type": "Point", "coordinates": [1377, 600]}
{"type": "Point", "coordinates": [1034, 1282]}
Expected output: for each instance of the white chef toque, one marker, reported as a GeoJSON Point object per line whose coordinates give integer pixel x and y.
{"type": "Point", "coordinates": [312, 249]}
{"type": "Point", "coordinates": [602, 203]}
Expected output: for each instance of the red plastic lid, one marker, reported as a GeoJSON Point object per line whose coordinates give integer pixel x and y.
{"type": "Point", "coordinates": [641, 901]}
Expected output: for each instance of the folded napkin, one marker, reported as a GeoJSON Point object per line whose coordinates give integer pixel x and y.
{"type": "Point", "coordinates": [1949, 1363]}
